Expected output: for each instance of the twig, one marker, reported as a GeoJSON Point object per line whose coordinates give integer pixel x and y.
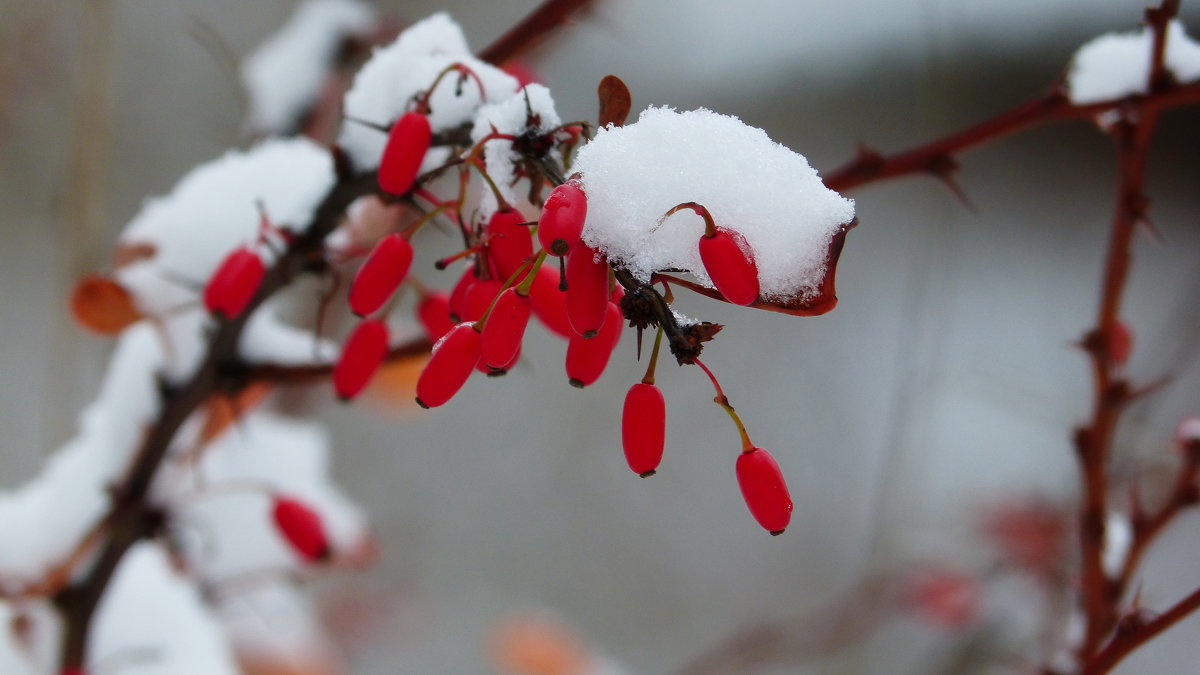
{"type": "Point", "coordinates": [522, 37]}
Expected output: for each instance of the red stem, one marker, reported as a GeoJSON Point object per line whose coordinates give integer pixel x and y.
{"type": "Point", "coordinates": [531, 30]}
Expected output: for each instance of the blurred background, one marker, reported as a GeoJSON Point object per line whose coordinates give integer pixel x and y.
{"type": "Point", "coordinates": [940, 392]}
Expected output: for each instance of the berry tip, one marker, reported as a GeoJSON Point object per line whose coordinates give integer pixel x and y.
{"type": "Point", "coordinates": [578, 384]}
{"type": "Point", "coordinates": [776, 533]}
{"type": "Point", "coordinates": [421, 403]}
{"type": "Point", "coordinates": [647, 474]}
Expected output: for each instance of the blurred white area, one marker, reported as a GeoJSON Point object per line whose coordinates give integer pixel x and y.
{"type": "Point", "coordinates": [945, 378]}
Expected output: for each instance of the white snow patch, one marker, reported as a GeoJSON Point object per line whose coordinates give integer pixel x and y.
{"type": "Point", "coordinates": [284, 75]}
{"type": "Point", "coordinates": [396, 73]}
{"type": "Point", "coordinates": [1189, 430]}
{"type": "Point", "coordinates": [14, 660]}
{"type": "Point", "coordinates": [215, 209]}
{"type": "Point", "coordinates": [1118, 537]}
{"type": "Point", "coordinates": [511, 117]}
{"type": "Point", "coordinates": [1116, 65]}
{"type": "Point", "coordinates": [151, 620]}
{"type": "Point", "coordinates": [634, 174]}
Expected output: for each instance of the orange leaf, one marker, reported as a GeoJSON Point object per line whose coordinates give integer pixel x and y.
{"type": "Point", "coordinates": [224, 410]}
{"type": "Point", "coordinates": [102, 306]}
{"type": "Point", "coordinates": [396, 380]}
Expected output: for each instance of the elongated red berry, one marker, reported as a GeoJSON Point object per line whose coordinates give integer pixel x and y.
{"type": "Point", "coordinates": [509, 242]}
{"type": "Point", "coordinates": [408, 141]}
{"type": "Point", "coordinates": [549, 303]}
{"type": "Point", "coordinates": [458, 296]}
{"type": "Point", "coordinates": [730, 265]}
{"type": "Point", "coordinates": [764, 490]}
{"type": "Point", "coordinates": [644, 428]}
{"type": "Point", "coordinates": [478, 298]}
{"type": "Point", "coordinates": [505, 328]}
{"type": "Point", "coordinates": [587, 358]}
{"type": "Point", "coordinates": [380, 274]}
{"type": "Point", "coordinates": [562, 219]}
{"type": "Point", "coordinates": [361, 356]}
{"type": "Point", "coordinates": [453, 359]}
{"type": "Point", "coordinates": [434, 314]}
{"type": "Point", "coordinates": [234, 284]}
{"type": "Point", "coordinates": [301, 527]}
{"type": "Point", "coordinates": [587, 290]}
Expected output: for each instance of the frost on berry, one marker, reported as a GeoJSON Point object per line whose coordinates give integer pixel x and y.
{"type": "Point", "coordinates": [361, 356]}
{"type": "Point", "coordinates": [450, 364]}
{"type": "Point", "coordinates": [587, 291]}
{"type": "Point", "coordinates": [561, 223]}
{"type": "Point", "coordinates": [588, 357]}
{"type": "Point", "coordinates": [636, 173]}
{"type": "Point", "coordinates": [764, 490]}
{"type": "Point", "coordinates": [643, 428]}
{"type": "Point", "coordinates": [380, 274]}
{"type": "Point", "coordinates": [301, 527]}
{"type": "Point", "coordinates": [234, 284]}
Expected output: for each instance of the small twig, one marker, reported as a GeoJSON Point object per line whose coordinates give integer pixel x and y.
{"type": "Point", "coordinates": [522, 37]}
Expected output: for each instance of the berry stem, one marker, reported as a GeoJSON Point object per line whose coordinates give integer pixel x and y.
{"type": "Point", "coordinates": [722, 400]}
{"type": "Point", "coordinates": [710, 225]}
{"type": "Point", "coordinates": [523, 289]}
{"type": "Point", "coordinates": [649, 377]}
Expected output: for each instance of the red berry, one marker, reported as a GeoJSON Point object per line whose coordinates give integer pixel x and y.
{"type": "Point", "coordinates": [764, 490]}
{"type": "Point", "coordinates": [549, 303]}
{"type": "Point", "coordinates": [505, 328]}
{"type": "Point", "coordinates": [587, 358]}
{"type": "Point", "coordinates": [362, 355]}
{"type": "Point", "coordinates": [434, 314]}
{"type": "Point", "coordinates": [479, 297]}
{"type": "Point", "coordinates": [643, 428]}
{"type": "Point", "coordinates": [458, 296]}
{"type": "Point", "coordinates": [561, 223]}
{"type": "Point", "coordinates": [234, 284]}
{"type": "Point", "coordinates": [453, 359]}
{"type": "Point", "coordinates": [380, 274]}
{"type": "Point", "coordinates": [587, 290]}
{"type": "Point", "coordinates": [301, 527]}
{"type": "Point", "coordinates": [729, 264]}
{"type": "Point", "coordinates": [509, 242]}
{"type": "Point", "coordinates": [407, 142]}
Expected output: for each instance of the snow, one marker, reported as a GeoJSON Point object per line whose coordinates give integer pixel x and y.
{"type": "Point", "coordinates": [152, 620]}
{"type": "Point", "coordinates": [396, 73]}
{"type": "Point", "coordinates": [13, 658]}
{"type": "Point", "coordinates": [267, 339]}
{"type": "Point", "coordinates": [1116, 65]}
{"type": "Point", "coordinates": [1118, 539]}
{"type": "Point", "coordinates": [634, 174]}
{"type": "Point", "coordinates": [511, 117]}
{"type": "Point", "coordinates": [284, 75]}
{"type": "Point", "coordinates": [46, 517]}
{"type": "Point", "coordinates": [1189, 430]}
{"type": "Point", "coordinates": [216, 208]}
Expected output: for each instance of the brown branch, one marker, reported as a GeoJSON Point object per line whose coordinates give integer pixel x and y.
{"type": "Point", "coordinates": [531, 30]}
{"type": "Point", "coordinates": [1146, 528]}
{"type": "Point", "coordinates": [268, 372]}
{"type": "Point", "coordinates": [1136, 632]}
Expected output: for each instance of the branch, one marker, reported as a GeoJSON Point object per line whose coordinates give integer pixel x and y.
{"type": "Point", "coordinates": [1137, 632]}
{"type": "Point", "coordinates": [531, 30]}
{"type": "Point", "coordinates": [268, 372]}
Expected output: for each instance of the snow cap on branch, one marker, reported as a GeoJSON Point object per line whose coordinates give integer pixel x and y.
{"type": "Point", "coordinates": [634, 174]}
{"type": "Point", "coordinates": [284, 75]}
{"type": "Point", "coordinates": [385, 87]}
{"type": "Point", "coordinates": [511, 117]}
{"type": "Point", "coordinates": [216, 208]}
{"type": "Point", "coordinates": [1116, 65]}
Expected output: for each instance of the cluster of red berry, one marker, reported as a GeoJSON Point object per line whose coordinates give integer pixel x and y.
{"type": "Point", "coordinates": [481, 323]}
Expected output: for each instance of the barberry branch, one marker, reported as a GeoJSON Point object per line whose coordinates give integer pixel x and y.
{"type": "Point", "coordinates": [522, 37]}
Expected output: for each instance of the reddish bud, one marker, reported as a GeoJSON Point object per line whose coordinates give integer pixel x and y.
{"type": "Point", "coordinates": [453, 359]}
{"type": "Point", "coordinates": [587, 290]}
{"type": "Point", "coordinates": [1120, 343]}
{"type": "Point", "coordinates": [561, 223]}
{"type": "Point", "coordinates": [434, 314]}
{"type": "Point", "coordinates": [408, 140]}
{"type": "Point", "coordinates": [644, 428]}
{"type": "Point", "coordinates": [764, 490]}
{"type": "Point", "coordinates": [302, 528]}
{"type": "Point", "coordinates": [234, 284]}
{"type": "Point", "coordinates": [509, 242]}
{"type": "Point", "coordinates": [549, 303]}
{"type": "Point", "coordinates": [730, 265]}
{"type": "Point", "coordinates": [505, 328]}
{"type": "Point", "coordinates": [380, 274]}
{"type": "Point", "coordinates": [587, 358]}
{"type": "Point", "coordinates": [362, 355]}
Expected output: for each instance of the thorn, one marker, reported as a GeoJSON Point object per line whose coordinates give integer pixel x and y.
{"type": "Point", "coordinates": [640, 330]}
{"type": "Point", "coordinates": [943, 168]}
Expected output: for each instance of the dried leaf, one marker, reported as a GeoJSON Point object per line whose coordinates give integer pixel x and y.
{"type": "Point", "coordinates": [615, 101]}
{"type": "Point", "coordinates": [102, 306]}
{"type": "Point", "coordinates": [395, 383]}
{"type": "Point", "coordinates": [224, 410]}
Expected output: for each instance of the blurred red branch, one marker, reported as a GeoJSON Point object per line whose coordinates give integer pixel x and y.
{"type": "Point", "coordinates": [524, 36]}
